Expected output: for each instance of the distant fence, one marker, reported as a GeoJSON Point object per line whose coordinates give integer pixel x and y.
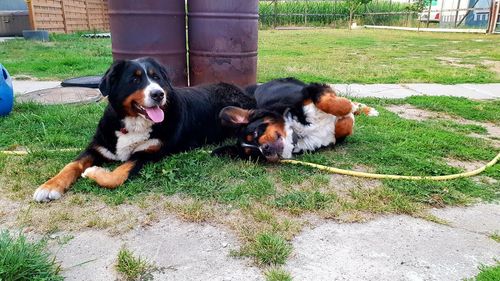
{"type": "Point", "coordinates": [334, 13]}
{"type": "Point", "coordinates": [67, 16]}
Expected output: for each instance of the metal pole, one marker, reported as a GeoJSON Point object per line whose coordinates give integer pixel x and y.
{"type": "Point", "coordinates": [456, 14]}
{"type": "Point", "coordinates": [275, 7]}
{"type": "Point", "coordinates": [429, 13]}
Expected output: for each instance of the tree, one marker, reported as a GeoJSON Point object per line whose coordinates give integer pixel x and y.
{"type": "Point", "coordinates": [353, 6]}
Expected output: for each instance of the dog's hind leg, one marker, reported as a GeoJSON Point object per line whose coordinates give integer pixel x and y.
{"type": "Point", "coordinates": [344, 126]}
{"type": "Point", "coordinates": [326, 100]}
{"type": "Point", "coordinates": [56, 186]}
{"type": "Point", "coordinates": [112, 179]}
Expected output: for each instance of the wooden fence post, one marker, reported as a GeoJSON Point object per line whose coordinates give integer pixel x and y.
{"type": "Point", "coordinates": [64, 17]}
{"type": "Point", "coordinates": [87, 14]}
{"type": "Point", "coordinates": [31, 14]}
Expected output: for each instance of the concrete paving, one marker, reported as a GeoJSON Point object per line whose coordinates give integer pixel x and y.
{"type": "Point", "coordinates": [398, 91]}
{"type": "Point", "coordinates": [391, 247]}
{"type": "Point", "coordinates": [26, 86]}
{"type": "Point", "coordinates": [179, 250]}
{"type": "Point", "coordinates": [62, 95]}
{"type": "Point", "coordinates": [398, 248]}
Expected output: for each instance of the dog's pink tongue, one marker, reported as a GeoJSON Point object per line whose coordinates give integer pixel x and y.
{"type": "Point", "coordinates": [155, 113]}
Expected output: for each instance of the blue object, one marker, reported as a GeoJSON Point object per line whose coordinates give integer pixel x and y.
{"type": "Point", "coordinates": [6, 92]}
{"type": "Point", "coordinates": [37, 35]}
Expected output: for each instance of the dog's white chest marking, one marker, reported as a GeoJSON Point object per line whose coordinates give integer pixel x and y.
{"type": "Point", "coordinates": [135, 139]}
{"type": "Point", "coordinates": [320, 132]}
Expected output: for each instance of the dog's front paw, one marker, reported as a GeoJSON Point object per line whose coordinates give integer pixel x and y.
{"type": "Point", "coordinates": [46, 193]}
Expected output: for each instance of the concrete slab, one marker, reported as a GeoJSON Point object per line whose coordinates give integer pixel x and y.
{"type": "Point", "coordinates": [448, 90]}
{"type": "Point", "coordinates": [26, 86]}
{"type": "Point", "coordinates": [3, 39]}
{"type": "Point", "coordinates": [481, 218]}
{"type": "Point", "coordinates": [394, 91]}
{"type": "Point", "coordinates": [181, 251]}
{"type": "Point", "coordinates": [492, 89]}
{"type": "Point", "coordinates": [66, 95]}
{"type": "Point", "coordinates": [390, 248]}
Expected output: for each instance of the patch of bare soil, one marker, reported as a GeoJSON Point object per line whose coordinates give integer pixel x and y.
{"type": "Point", "coordinates": [456, 62]}
{"type": "Point", "coordinates": [342, 185]}
{"type": "Point", "coordinates": [78, 212]}
{"type": "Point", "coordinates": [465, 165]}
{"type": "Point", "coordinates": [410, 112]}
{"type": "Point", "coordinates": [493, 66]}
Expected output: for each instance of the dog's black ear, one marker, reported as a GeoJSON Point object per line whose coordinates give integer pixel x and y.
{"type": "Point", "coordinates": [233, 116]}
{"type": "Point", "coordinates": [226, 151]}
{"type": "Point", "coordinates": [111, 76]}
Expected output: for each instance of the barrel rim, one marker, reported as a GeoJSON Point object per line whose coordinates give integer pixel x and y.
{"type": "Point", "coordinates": [223, 54]}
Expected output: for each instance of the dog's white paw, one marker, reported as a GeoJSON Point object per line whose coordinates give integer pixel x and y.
{"type": "Point", "coordinates": [89, 172]}
{"type": "Point", "coordinates": [46, 194]}
{"type": "Point", "coordinates": [373, 112]}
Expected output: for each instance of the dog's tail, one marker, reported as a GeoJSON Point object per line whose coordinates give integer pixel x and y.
{"type": "Point", "coordinates": [359, 108]}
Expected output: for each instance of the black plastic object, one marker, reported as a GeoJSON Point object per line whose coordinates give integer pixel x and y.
{"type": "Point", "coordinates": [86, 82]}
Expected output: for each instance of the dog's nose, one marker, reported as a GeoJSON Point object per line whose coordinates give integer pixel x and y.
{"type": "Point", "coordinates": [157, 95]}
{"type": "Point", "coordinates": [266, 149]}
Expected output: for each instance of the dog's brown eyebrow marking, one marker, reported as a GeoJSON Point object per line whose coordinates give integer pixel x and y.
{"type": "Point", "coordinates": [138, 72]}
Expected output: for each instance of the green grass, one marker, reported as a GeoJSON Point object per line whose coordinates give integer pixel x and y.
{"type": "Point", "coordinates": [327, 55]}
{"type": "Point", "coordinates": [277, 274]}
{"type": "Point", "coordinates": [388, 144]}
{"type": "Point", "coordinates": [297, 201]}
{"type": "Point", "coordinates": [374, 56]}
{"type": "Point", "coordinates": [495, 236]}
{"type": "Point", "coordinates": [270, 195]}
{"type": "Point", "coordinates": [468, 109]}
{"type": "Point", "coordinates": [23, 260]}
{"type": "Point", "coordinates": [489, 273]}
{"type": "Point", "coordinates": [132, 267]}
{"type": "Point", "coordinates": [268, 249]}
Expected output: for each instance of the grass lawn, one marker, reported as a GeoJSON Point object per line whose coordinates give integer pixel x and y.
{"type": "Point", "coordinates": [326, 55]}
{"type": "Point", "coordinates": [269, 197]}
{"type": "Point", "coordinates": [23, 260]}
{"type": "Point", "coordinates": [264, 203]}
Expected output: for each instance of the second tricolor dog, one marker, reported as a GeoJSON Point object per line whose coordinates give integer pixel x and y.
{"type": "Point", "coordinates": [291, 117]}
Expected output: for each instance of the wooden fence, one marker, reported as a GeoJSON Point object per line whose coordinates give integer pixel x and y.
{"type": "Point", "coordinates": [67, 16]}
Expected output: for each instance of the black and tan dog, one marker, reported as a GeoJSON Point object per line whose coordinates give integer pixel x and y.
{"type": "Point", "coordinates": [146, 119]}
{"type": "Point", "coordinates": [291, 117]}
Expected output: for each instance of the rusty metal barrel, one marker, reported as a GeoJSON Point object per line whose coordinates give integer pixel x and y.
{"type": "Point", "coordinates": [151, 28]}
{"type": "Point", "coordinates": [222, 38]}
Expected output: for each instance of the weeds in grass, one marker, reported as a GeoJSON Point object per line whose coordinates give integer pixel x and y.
{"type": "Point", "coordinates": [268, 249]}
{"type": "Point", "coordinates": [277, 274]}
{"type": "Point", "coordinates": [23, 260]}
{"type": "Point", "coordinates": [299, 201]}
{"type": "Point", "coordinates": [132, 267]}
{"type": "Point", "coordinates": [195, 211]}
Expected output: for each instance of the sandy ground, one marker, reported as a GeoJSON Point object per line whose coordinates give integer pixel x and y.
{"type": "Point", "coordinates": [387, 248]}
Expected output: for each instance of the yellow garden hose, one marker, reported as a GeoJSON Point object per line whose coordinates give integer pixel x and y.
{"type": "Point", "coordinates": [335, 170]}
{"type": "Point", "coordinates": [394, 177]}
